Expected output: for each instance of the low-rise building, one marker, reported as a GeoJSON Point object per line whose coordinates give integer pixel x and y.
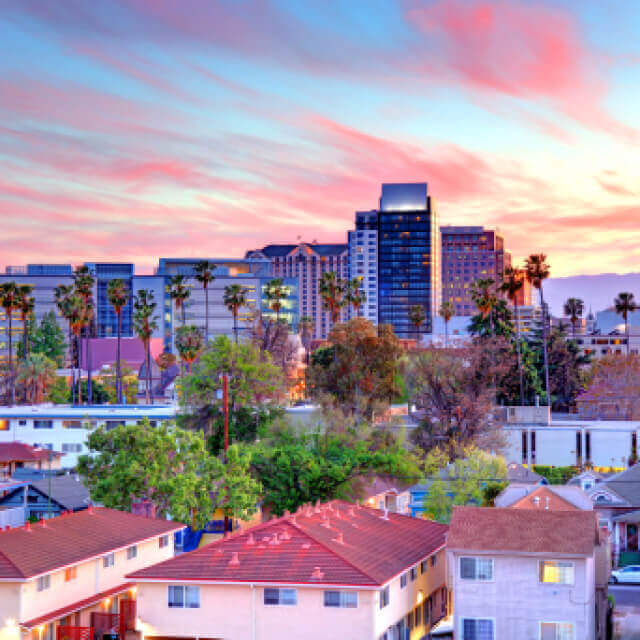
{"type": "Point", "coordinates": [548, 497]}
{"type": "Point", "coordinates": [518, 573]}
{"type": "Point", "coordinates": [65, 577]}
{"type": "Point", "coordinates": [327, 572]}
{"type": "Point", "coordinates": [16, 455]}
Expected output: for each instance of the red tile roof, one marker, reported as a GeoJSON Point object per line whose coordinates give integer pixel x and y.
{"type": "Point", "coordinates": [32, 550]}
{"type": "Point", "coordinates": [523, 530]}
{"type": "Point", "coordinates": [336, 543]}
{"type": "Point", "coordinates": [21, 452]}
{"type": "Point", "coordinates": [76, 606]}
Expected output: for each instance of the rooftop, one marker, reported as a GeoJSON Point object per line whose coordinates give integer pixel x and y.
{"type": "Point", "coordinates": [80, 412]}
{"type": "Point", "coordinates": [334, 543]}
{"type": "Point", "coordinates": [21, 452]}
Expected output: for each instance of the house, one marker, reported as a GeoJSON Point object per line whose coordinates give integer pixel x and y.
{"type": "Point", "coordinates": [522, 573]}
{"type": "Point", "coordinates": [385, 493]}
{"type": "Point", "coordinates": [14, 455]}
{"type": "Point", "coordinates": [59, 578]}
{"type": "Point", "coordinates": [553, 496]}
{"type": "Point", "coordinates": [331, 571]}
{"type": "Point", "coordinates": [588, 479]}
{"type": "Point", "coordinates": [519, 474]}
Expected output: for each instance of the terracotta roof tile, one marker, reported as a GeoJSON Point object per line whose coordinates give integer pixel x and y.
{"type": "Point", "coordinates": [338, 542]}
{"type": "Point", "coordinates": [21, 452]}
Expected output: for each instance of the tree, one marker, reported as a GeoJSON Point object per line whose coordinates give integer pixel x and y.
{"type": "Point", "coordinates": [305, 327]}
{"type": "Point", "coordinates": [179, 292]}
{"type": "Point", "coordinates": [483, 294]}
{"type": "Point", "coordinates": [332, 289]}
{"type": "Point", "coordinates": [573, 309]}
{"type": "Point", "coordinates": [417, 316]}
{"type": "Point", "coordinates": [128, 384]}
{"type": "Point", "coordinates": [274, 338]}
{"type": "Point", "coordinates": [46, 338]}
{"type": "Point", "coordinates": [355, 295]}
{"type": "Point", "coordinates": [508, 390]}
{"type": "Point", "coordinates": [26, 305]}
{"type": "Point", "coordinates": [275, 293]}
{"type": "Point", "coordinates": [204, 275]}
{"type": "Point", "coordinates": [36, 374]}
{"type": "Point", "coordinates": [118, 296]}
{"type": "Point", "coordinates": [624, 305]}
{"type": "Point", "coordinates": [144, 324]}
{"type": "Point", "coordinates": [357, 372]}
{"type": "Point", "coordinates": [189, 344]}
{"type": "Point", "coordinates": [498, 324]}
{"type": "Point", "coordinates": [447, 311]}
{"type": "Point", "coordinates": [83, 282]}
{"type": "Point", "coordinates": [537, 272]}
{"type": "Point", "coordinates": [473, 479]}
{"type": "Point", "coordinates": [182, 479]}
{"type": "Point", "coordinates": [512, 284]}
{"type": "Point", "coordinates": [9, 299]}
{"type": "Point", "coordinates": [62, 295]}
{"type": "Point", "coordinates": [78, 316]}
{"type": "Point", "coordinates": [235, 297]}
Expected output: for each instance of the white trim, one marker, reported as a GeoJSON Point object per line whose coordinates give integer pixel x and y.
{"type": "Point", "coordinates": [558, 584]}
{"type": "Point", "coordinates": [463, 618]}
{"type": "Point", "coordinates": [248, 583]}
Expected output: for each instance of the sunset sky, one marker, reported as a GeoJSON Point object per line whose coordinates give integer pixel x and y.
{"type": "Point", "coordinates": [137, 129]}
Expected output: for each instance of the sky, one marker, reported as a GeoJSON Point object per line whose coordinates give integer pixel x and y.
{"type": "Point", "coordinates": [138, 129]}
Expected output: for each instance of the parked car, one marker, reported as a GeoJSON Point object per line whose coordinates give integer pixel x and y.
{"type": "Point", "coordinates": [630, 573]}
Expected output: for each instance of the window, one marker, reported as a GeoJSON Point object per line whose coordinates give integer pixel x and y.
{"type": "Point", "coordinates": [163, 541]}
{"type": "Point", "coordinates": [288, 597]}
{"type": "Point", "coordinates": [477, 629]}
{"type": "Point", "coordinates": [384, 597]}
{"type": "Point", "coordinates": [70, 573]}
{"type": "Point", "coordinates": [476, 569]}
{"type": "Point", "coordinates": [413, 573]}
{"type": "Point", "coordinates": [403, 580]}
{"type": "Point", "coordinates": [132, 552]}
{"type": "Point", "coordinates": [423, 566]}
{"type": "Point", "coordinates": [43, 424]}
{"type": "Point", "coordinates": [556, 631]}
{"type": "Point", "coordinates": [109, 560]}
{"type": "Point", "coordinates": [434, 560]}
{"type": "Point", "coordinates": [343, 599]}
{"type": "Point", "coordinates": [556, 572]}
{"type": "Point", "coordinates": [44, 582]}
{"type": "Point", "coordinates": [4, 425]}
{"type": "Point", "coordinates": [182, 597]}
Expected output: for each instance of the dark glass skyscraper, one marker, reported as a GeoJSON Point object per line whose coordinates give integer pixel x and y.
{"type": "Point", "coordinates": [408, 257]}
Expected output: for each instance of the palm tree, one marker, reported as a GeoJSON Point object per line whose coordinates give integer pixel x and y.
{"type": "Point", "coordinates": [332, 289]}
{"type": "Point", "coordinates": [417, 316]}
{"type": "Point", "coordinates": [204, 274]}
{"type": "Point", "coordinates": [235, 296]}
{"type": "Point", "coordinates": [447, 311]}
{"type": "Point", "coordinates": [512, 284]}
{"type": "Point", "coordinates": [26, 305]}
{"type": "Point", "coordinates": [78, 315]}
{"type": "Point", "coordinates": [83, 282]}
{"type": "Point", "coordinates": [624, 305]}
{"type": "Point", "coordinates": [355, 295]}
{"type": "Point", "coordinates": [573, 309]}
{"type": "Point", "coordinates": [189, 344]}
{"type": "Point", "coordinates": [484, 297]}
{"type": "Point", "coordinates": [179, 292]}
{"type": "Point", "coordinates": [275, 293]}
{"type": "Point", "coordinates": [62, 295]}
{"type": "Point", "coordinates": [37, 374]}
{"type": "Point", "coordinates": [537, 272]}
{"type": "Point", "coordinates": [305, 326]}
{"type": "Point", "coordinates": [144, 324]}
{"type": "Point", "coordinates": [9, 298]}
{"type": "Point", "coordinates": [118, 296]}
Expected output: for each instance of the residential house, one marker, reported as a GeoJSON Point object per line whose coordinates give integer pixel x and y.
{"type": "Point", "coordinates": [588, 479]}
{"type": "Point", "coordinates": [519, 474]}
{"type": "Point", "coordinates": [333, 571]}
{"type": "Point", "coordinates": [549, 497]}
{"type": "Point", "coordinates": [523, 573]}
{"type": "Point", "coordinates": [386, 493]}
{"type": "Point", "coordinates": [14, 455]}
{"type": "Point", "coordinates": [60, 578]}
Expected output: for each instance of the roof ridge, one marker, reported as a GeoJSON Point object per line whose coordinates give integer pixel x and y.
{"type": "Point", "coordinates": [13, 564]}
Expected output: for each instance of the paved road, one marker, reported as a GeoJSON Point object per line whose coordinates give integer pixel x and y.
{"type": "Point", "coordinates": [626, 595]}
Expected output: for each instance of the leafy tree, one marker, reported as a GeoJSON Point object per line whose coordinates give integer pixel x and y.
{"type": "Point", "coordinates": [509, 391]}
{"type": "Point", "coordinates": [128, 383]}
{"type": "Point", "coordinates": [59, 392]}
{"type": "Point", "coordinates": [275, 292]}
{"type": "Point", "coordinates": [26, 305]}
{"type": "Point", "coordinates": [46, 338]}
{"type": "Point", "coordinates": [79, 315]}
{"type": "Point", "coordinates": [274, 338]}
{"type": "Point", "coordinates": [473, 479]}
{"type": "Point", "coordinates": [36, 375]}
{"type": "Point", "coordinates": [624, 305]}
{"type": "Point", "coordinates": [355, 295]}
{"type": "Point", "coordinates": [358, 371]}
{"type": "Point", "coordinates": [447, 311]}
{"type": "Point", "coordinates": [189, 344]}
{"type": "Point", "coordinates": [9, 300]}
{"type": "Point", "coordinates": [118, 296]}
{"type": "Point", "coordinates": [62, 295]}
{"type": "Point", "coordinates": [497, 323]}
{"type": "Point", "coordinates": [556, 475]}
{"type": "Point", "coordinates": [417, 316]}
{"type": "Point", "coordinates": [182, 479]}
{"type": "Point", "coordinates": [166, 360]}
{"type": "Point", "coordinates": [204, 275]}
{"type": "Point", "coordinates": [179, 292]}
{"type": "Point", "coordinates": [333, 290]}
{"type": "Point", "coordinates": [99, 393]}
{"type": "Point", "coordinates": [305, 327]}
{"type": "Point", "coordinates": [235, 297]}
{"type": "Point", "coordinates": [573, 309]}
{"type": "Point", "coordinates": [83, 283]}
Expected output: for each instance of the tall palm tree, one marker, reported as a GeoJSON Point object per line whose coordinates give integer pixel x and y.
{"type": "Point", "coordinates": [625, 304]}
{"type": "Point", "coordinates": [537, 272]}
{"type": "Point", "coordinates": [235, 296]}
{"type": "Point", "coordinates": [573, 309]}
{"type": "Point", "coordinates": [83, 282]}
{"type": "Point", "coordinates": [332, 289]}
{"type": "Point", "coordinates": [204, 275]}
{"type": "Point", "coordinates": [305, 327]}
{"type": "Point", "coordinates": [118, 296]}
{"type": "Point", "coordinates": [417, 316]}
{"type": "Point", "coordinates": [447, 311]}
{"type": "Point", "coordinates": [483, 294]}
{"type": "Point", "coordinates": [144, 324]}
{"type": "Point", "coordinates": [26, 305]}
{"type": "Point", "coordinates": [189, 344]}
{"type": "Point", "coordinates": [275, 292]}
{"type": "Point", "coordinates": [512, 284]}
{"type": "Point", "coordinates": [78, 315]}
{"type": "Point", "coordinates": [62, 296]}
{"type": "Point", "coordinates": [9, 298]}
{"type": "Point", "coordinates": [179, 292]}
{"type": "Point", "coordinates": [355, 295]}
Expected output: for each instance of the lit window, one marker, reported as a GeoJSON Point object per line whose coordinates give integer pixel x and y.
{"type": "Point", "coordinates": [70, 573]}
{"type": "Point", "coordinates": [343, 599]}
{"type": "Point", "coordinates": [44, 582]}
{"type": "Point", "coordinates": [480, 569]}
{"type": "Point", "coordinates": [288, 597]}
{"type": "Point", "coordinates": [556, 572]}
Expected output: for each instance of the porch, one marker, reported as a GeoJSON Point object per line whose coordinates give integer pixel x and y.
{"type": "Point", "coordinates": [625, 537]}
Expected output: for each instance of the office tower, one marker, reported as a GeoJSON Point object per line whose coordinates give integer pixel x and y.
{"type": "Point", "coordinates": [106, 319]}
{"type": "Point", "coordinates": [306, 262]}
{"type": "Point", "coordinates": [408, 257]}
{"type": "Point", "coordinates": [470, 254]}
{"type": "Point", "coordinates": [363, 260]}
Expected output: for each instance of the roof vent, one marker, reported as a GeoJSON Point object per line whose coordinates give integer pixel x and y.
{"type": "Point", "coordinates": [90, 509]}
{"type": "Point", "coordinates": [338, 515]}
{"type": "Point", "coordinates": [251, 540]}
{"type": "Point", "coordinates": [27, 526]}
{"type": "Point", "coordinates": [317, 573]}
{"type": "Point", "coordinates": [43, 523]}
{"type": "Point", "coordinates": [287, 513]}
{"type": "Point", "coordinates": [326, 523]}
{"type": "Point", "coordinates": [306, 545]}
{"type": "Point", "coordinates": [352, 512]}
{"type": "Point", "coordinates": [235, 560]}
{"type": "Point", "coordinates": [285, 535]}
{"type": "Point", "coordinates": [339, 538]}
{"type": "Point", "coordinates": [274, 540]}
{"type": "Point", "coordinates": [385, 515]}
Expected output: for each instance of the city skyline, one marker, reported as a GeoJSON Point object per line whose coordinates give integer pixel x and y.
{"type": "Point", "coordinates": [132, 131]}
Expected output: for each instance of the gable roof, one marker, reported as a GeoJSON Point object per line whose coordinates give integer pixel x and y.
{"type": "Point", "coordinates": [32, 550]}
{"type": "Point", "coordinates": [626, 484]}
{"type": "Point", "coordinates": [21, 452]}
{"type": "Point", "coordinates": [335, 543]}
{"type": "Point", "coordinates": [519, 473]}
{"type": "Point", "coordinates": [523, 530]}
{"type": "Point", "coordinates": [277, 250]}
{"type": "Point", "coordinates": [573, 497]}
{"type": "Point", "coordinates": [69, 492]}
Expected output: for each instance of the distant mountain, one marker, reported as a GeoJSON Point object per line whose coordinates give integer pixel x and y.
{"type": "Point", "coordinates": [597, 291]}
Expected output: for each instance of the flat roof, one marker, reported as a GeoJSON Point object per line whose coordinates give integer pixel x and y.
{"type": "Point", "coordinates": [106, 412]}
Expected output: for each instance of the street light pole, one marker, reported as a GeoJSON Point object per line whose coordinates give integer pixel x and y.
{"type": "Point", "coordinates": [225, 406]}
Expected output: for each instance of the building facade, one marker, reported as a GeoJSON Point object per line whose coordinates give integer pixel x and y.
{"type": "Point", "coordinates": [363, 260]}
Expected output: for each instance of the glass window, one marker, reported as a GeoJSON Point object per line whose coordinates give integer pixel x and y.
{"type": "Point", "coordinates": [556, 572]}
{"type": "Point", "coordinates": [384, 597]}
{"type": "Point", "coordinates": [192, 597]}
{"type": "Point", "coordinates": [556, 631]}
{"type": "Point", "coordinates": [44, 582]}
{"type": "Point", "coordinates": [4, 425]}
{"type": "Point", "coordinates": [163, 541]}
{"type": "Point", "coordinates": [176, 596]}
{"type": "Point", "coordinates": [344, 599]}
{"type": "Point", "coordinates": [70, 573]}
{"type": "Point", "coordinates": [477, 629]}
{"type": "Point", "coordinates": [403, 580]}
{"type": "Point", "coordinates": [476, 569]}
{"type": "Point", "coordinates": [43, 424]}
{"type": "Point", "coordinates": [287, 597]}
{"type": "Point", "coordinates": [132, 552]}
{"type": "Point", "coordinates": [414, 573]}
{"type": "Point", "coordinates": [109, 560]}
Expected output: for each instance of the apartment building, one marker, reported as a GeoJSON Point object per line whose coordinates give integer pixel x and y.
{"type": "Point", "coordinates": [363, 260]}
{"type": "Point", "coordinates": [333, 571]}
{"type": "Point", "coordinates": [65, 577]}
{"type": "Point", "coordinates": [524, 573]}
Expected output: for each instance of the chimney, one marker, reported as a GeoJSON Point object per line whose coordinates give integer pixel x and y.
{"type": "Point", "coordinates": [90, 509]}
{"type": "Point", "coordinates": [546, 502]}
{"type": "Point", "coordinates": [385, 515]}
{"type": "Point", "coordinates": [317, 573]}
{"type": "Point", "coordinates": [287, 513]}
{"type": "Point", "coordinates": [250, 540]}
{"type": "Point", "coordinates": [235, 560]}
{"type": "Point", "coordinates": [27, 526]}
{"type": "Point", "coordinates": [227, 535]}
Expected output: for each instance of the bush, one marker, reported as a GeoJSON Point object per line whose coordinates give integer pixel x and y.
{"type": "Point", "coordinates": [556, 475]}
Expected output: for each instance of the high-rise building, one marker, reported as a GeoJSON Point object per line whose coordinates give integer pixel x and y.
{"type": "Point", "coordinates": [408, 257]}
{"type": "Point", "coordinates": [306, 262]}
{"type": "Point", "coordinates": [363, 260]}
{"type": "Point", "coordinates": [106, 319]}
{"type": "Point", "coordinates": [470, 254]}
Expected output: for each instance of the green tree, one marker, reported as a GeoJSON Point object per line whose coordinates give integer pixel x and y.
{"type": "Point", "coordinates": [483, 294]}
{"type": "Point", "coordinates": [144, 324]}
{"type": "Point", "coordinates": [179, 292]}
{"type": "Point", "coordinates": [333, 290]}
{"type": "Point", "coordinates": [47, 338]}
{"type": "Point", "coordinates": [498, 324]}
{"type": "Point", "coordinates": [417, 316]}
{"type": "Point", "coordinates": [573, 309]}
{"type": "Point", "coordinates": [512, 285]}
{"type": "Point", "coordinates": [78, 315]}
{"type": "Point", "coordinates": [9, 299]}
{"type": "Point", "coordinates": [447, 311]}
{"type": "Point", "coordinates": [275, 292]}
{"type": "Point", "coordinates": [509, 391]}
{"type": "Point", "coordinates": [118, 296]}
{"type": "Point", "coordinates": [235, 297]}
{"type": "Point", "coordinates": [99, 392]}
{"type": "Point", "coordinates": [204, 275]}
{"type": "Point", "coordinates": [36, 375]}
{"type": "Point", "coordinates": [189, 343]}
{"type": "Point", "coordinates": [624, 305]}
{"type": "Point", "coordinates": [473, 479]}
{"type": "Point", "coordinates": [128, 383]}
{"type": "Point", "coordinates": [59, 392]}
{"type": "Point", "coordinates": [182, 479]}
{"type": "Point", "coordinates": [355, 295]}
{"type": "Point", "coordinates": [83, 283]}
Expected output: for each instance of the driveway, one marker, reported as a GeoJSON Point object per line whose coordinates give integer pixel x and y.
{"type": "Point", "coordinates": [626, 616]}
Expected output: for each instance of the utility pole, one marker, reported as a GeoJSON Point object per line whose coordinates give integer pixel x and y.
{"type": "Point", "coordinates": [225, 405]}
